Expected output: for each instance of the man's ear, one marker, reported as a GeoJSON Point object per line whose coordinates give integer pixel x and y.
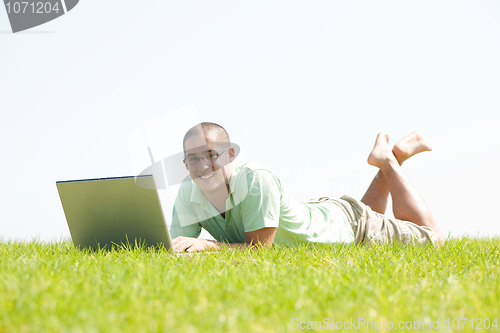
{"type": "Point", "coordinates": [231, 153]}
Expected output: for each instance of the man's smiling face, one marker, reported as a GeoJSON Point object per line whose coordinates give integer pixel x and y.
{"type": "Point", "coordinates": [209, 175]}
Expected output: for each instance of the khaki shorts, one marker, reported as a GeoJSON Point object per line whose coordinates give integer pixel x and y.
{"type": "Point", "coordinates": [370, 227]}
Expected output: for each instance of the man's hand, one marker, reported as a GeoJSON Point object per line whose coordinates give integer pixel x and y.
{"type": "Point", "coordinates": [259, 238]}
{"type": "Point", "coordinates": [190, 244]}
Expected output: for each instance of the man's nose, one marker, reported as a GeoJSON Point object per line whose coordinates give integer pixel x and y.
{"type": "Point", "coordinates": [205, 164]}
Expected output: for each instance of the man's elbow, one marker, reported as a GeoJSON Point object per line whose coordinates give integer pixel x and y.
{"type": "Point", "coordinates": [258, 244]}
{"type": "Point", "coordinates": [262, 238]}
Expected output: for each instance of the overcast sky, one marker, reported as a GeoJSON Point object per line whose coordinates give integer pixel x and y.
{"type": "Point", "coordinates": [301, 86]}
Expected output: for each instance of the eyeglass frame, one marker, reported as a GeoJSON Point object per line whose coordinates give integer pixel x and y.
{"type": "Point", "coordinates": [209, 160]}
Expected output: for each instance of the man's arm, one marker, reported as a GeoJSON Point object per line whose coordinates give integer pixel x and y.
{"type": "Point", "coordinates": [259, 238]}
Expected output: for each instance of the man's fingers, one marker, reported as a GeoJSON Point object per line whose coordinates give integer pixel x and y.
{"type": "Point", "coordinates": [176, 240]}
{"type": "Point", "coordinates": [180, 244]}
{"type": "Point", "coordinates": [196, 247]}
{"type": "Point", "coordinates": [188, 244]}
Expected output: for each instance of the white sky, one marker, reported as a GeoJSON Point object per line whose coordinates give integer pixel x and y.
{"type": "Point", "coordinates": [301, 86]}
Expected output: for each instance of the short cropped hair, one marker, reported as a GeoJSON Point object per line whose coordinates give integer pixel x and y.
{"type": "Point", "coordinates": [208, 129]}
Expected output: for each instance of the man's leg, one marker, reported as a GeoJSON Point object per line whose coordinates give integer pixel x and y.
{"type": "Point", "coordinates": [378, 192]}
{"type": "Point", "coordinates": [407, 204]}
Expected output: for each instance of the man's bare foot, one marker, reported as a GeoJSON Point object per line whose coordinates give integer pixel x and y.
{"type": "Point", "coordinates": [381, 152]}
{"type": "Point", "coordinates": [410, 145]}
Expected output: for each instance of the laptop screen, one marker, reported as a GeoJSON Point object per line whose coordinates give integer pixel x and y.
{"type": "Point", "coordinates": [105, 212]}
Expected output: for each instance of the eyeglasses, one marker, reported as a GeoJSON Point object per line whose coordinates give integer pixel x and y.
{"type": "Point", "coordinates": [208, 156]}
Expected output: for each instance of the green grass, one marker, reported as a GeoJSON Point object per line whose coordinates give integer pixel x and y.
{"type": "Point", "coordinates": [56, 288]}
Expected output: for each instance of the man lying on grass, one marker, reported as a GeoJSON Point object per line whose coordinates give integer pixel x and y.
{"type": "Point", "coordinates": [244, 204]}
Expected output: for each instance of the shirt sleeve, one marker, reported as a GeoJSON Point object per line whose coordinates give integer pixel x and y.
{"type": "Point", "coordinates": [184, 221]}
{"type": "Point", "coordinates": [261, 206]}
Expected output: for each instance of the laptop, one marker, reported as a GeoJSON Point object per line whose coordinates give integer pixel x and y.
{"type": "Point", "coordinates": [109, 212]}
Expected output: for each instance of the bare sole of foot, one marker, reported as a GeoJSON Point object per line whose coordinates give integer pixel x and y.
{"type": "Point", "coordinates": [410, 145]}
{"type": "Point", "coordinates": [381, 153]}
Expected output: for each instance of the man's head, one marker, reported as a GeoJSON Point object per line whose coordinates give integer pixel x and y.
{"type": "Point", "coordinates": [211, 129]}
{"type": "Point", "coordinates": [208, 156]}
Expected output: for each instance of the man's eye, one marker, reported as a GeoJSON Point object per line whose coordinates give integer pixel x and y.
{"type": "Point", "coordinates": [193, 159]}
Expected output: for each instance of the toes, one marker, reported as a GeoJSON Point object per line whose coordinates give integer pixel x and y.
{"type": "Point", "coordinates": [383, 135]}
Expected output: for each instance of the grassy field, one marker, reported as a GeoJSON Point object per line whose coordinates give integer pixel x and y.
{"type": "Point", "coordinates": [56, 288]}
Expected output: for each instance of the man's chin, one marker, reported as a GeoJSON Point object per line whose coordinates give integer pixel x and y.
{"type": "Point", "coordinates": [210, 186]}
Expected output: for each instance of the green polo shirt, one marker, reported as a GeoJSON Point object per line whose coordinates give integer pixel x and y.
{"type": "Point", "coordinates": [257, 200]}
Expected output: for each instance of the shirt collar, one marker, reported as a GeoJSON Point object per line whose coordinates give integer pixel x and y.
{"type": "Point", "coordinates": [197, 194]}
